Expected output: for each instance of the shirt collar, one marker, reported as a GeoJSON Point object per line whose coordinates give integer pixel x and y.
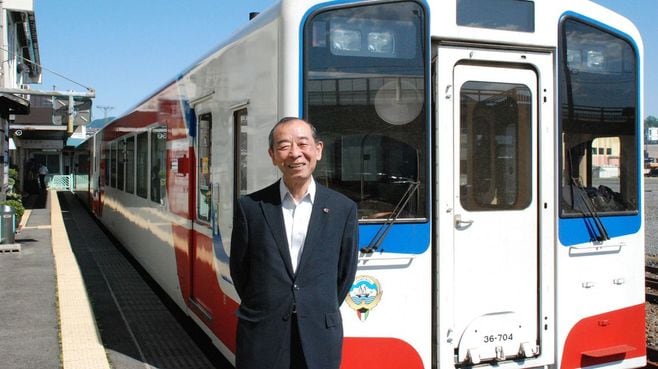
{"type": "Point", "coordinates": [310, 192]}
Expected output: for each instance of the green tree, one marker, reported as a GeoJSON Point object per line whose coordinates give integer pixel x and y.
{"type": "Point", "coordinates": [651, 121]}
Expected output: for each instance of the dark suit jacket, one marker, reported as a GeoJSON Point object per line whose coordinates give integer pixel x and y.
{"type": "Point", "coordinates": [262, 274]}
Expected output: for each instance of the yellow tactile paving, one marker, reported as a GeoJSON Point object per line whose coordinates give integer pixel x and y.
{"type": "Point", "coordinates": [81, 344]}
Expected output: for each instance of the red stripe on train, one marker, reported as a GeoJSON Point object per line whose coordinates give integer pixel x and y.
{"type": "Point", "coordinates": [612, 336]}
{"type": "Point", "coordinates": [380, 353]}
{"type": "Point", "coordinates": [194, 251]}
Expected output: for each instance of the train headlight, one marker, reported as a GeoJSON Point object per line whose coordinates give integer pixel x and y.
{"type": "Point", "coordinates": [586, 60]}
{"type": "Point", "coordinates": [345, 40]}
{"type": "Point", "coordinates": [381, 42]}
{"type": "Point", "coordinates": [595, 60]}
{"type": "Point", "coordinates": [362, 37]}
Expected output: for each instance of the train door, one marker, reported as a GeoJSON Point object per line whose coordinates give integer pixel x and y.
{"type": "Point", "coordinates": [201, 251]}
{"type": "Point", "coordinates": [491, 231]}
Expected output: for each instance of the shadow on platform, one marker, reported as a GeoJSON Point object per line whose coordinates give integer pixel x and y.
{"type": "Point", "coordinates": [35, 200]}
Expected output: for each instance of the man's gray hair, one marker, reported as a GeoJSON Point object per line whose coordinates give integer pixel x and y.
{"type": "Point", "coordinates": [314, 131]}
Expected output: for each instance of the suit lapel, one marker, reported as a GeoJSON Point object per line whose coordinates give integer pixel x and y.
{"type": "Point", "coordinates": [274, 218]}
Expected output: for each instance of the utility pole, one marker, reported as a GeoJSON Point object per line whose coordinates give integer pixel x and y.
{"type": "Point", "coordinates": [105, 109]}
{"type": "Point", "coordinates": [4, 123]}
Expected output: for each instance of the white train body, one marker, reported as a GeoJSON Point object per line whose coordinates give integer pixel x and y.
{"type": "Point", "coordinates": [491, 123]}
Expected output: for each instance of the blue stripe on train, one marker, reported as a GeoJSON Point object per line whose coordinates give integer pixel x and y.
{"type": "Point", "coordinates": [573, 231]}
{"type": "Point", "coordinates": [406, 238]}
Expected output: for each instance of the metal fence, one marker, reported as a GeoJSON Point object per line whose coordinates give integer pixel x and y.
{"type": "Point", "coordinates": [67, 182]}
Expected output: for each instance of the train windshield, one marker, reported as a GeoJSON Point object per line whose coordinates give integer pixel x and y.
{"type": "Point", "coordinates": [598, 116]}
{"type": "Point", "coordinates": [364, 89]}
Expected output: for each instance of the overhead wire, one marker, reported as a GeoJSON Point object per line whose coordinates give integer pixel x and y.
{"type": "Point", "coordinates": [49, 70]}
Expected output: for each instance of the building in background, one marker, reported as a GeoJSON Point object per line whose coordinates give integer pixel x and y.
{"type": "Point", "coordinates": [651, 135]}
{"type": "Point", "coordinates": [20, 67]}
{"type": "Point", "coordinates": [35, 123]}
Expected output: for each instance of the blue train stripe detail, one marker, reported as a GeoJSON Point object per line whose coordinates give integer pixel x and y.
{"type": "Point", "coordinates": [573, 231]}
{"type": "Point", "coordinates": [406, 238]}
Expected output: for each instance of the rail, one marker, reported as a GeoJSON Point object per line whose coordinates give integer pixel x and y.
{"type": "Point", "coordinates": [652, 358]}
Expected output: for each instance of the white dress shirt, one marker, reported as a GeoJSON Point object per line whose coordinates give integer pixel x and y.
{"type": "Point", "coordinates": [296, 216]}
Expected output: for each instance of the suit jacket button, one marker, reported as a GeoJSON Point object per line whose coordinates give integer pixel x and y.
{"type": "Point", "coordinates": [286, 317]}
{"type": "Point", "coordinates": [295, 287]}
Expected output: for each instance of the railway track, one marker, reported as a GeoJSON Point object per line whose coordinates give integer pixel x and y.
{"type": "Point", "coordinates": [652, 358]}
{"type": "Point", "coordinates": [651, 282]}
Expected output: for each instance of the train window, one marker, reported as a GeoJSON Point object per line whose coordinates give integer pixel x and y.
{"type": "Point", "coordinates": [510, 15]}
{"type": "Point", "coordinates": [204, 156]}
{"type": "Point", "coordinates": [241, 151]}
{"type": "Point", "coordinates": [496, 139]}
{"type": "Point", "coordinates": [130, 164]}
{"type": "Point", "coordinates": [158, 173]}
{"type": "Point", "coordinates": [106, 165]}
{"type": "Point", "coordinates": [598, 121]}
{"type": "Point", "coordinates": [113, 164]}
{"type": "Point", "coordinates": [368, 104]}
{"type": "Point", "coordinates": [142, 164]}
{"type": "Point", "coordinates": [121, 163]}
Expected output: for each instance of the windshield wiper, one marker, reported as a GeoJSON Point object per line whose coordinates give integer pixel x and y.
{"type": "Point", "coordinates": [591, 210]}
{"type": "Point", "coordinates": [379, 237]}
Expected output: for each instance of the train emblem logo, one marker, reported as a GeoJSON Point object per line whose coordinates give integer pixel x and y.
{"type": "Point", "coordinates": [364, 295]}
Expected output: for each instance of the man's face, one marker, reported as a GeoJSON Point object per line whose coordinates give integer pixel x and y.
{"type": "Point", "coordinates": [295, 152]}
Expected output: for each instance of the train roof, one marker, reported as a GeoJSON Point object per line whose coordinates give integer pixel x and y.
{"type": "Point", "coordinates": [443, 27]}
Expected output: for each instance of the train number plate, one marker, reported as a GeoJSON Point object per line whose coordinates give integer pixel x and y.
{"type": "Point", "coordinates": [498, 337]}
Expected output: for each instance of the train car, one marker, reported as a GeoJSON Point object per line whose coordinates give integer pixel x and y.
{"type": "Point", "coordinates": [493, 148]}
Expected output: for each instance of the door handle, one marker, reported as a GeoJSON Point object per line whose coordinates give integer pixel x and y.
{"type": "Point", "coordinates": [462, 224]}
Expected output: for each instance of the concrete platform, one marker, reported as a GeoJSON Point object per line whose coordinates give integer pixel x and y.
{"type": "Point", "coordinates": [70, 299]}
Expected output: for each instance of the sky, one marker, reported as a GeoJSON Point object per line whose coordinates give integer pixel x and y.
{"type": "Point", "coordinates": [126, 50]}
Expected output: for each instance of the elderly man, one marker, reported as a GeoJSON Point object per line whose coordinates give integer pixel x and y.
{"type": "Point", "coordinates": [293, 260]}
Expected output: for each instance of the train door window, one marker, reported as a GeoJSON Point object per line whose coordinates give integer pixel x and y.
{"type": "Point", "coordinates": [113, 164]}
{"type": "Point", "coordinates": [130, 164]}
{"type": "Point", "coordinates": [121, 164]}
{"type": "Point", "coordinates": [240, 144]}
{"type": "Point", "coordinates": [142, 164]}
{"type": "Point", "coordinates": [598, 115]}
{"type": "Point", "coordinates": [158, 156]}
{"type": "Point", "coordinates": [496, 139]}
{"type": "Point", "coordinates": [204, 156]}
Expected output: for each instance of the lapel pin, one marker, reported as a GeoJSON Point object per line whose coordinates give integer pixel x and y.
{"type": "Point", "coordinates": [325, 210]}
